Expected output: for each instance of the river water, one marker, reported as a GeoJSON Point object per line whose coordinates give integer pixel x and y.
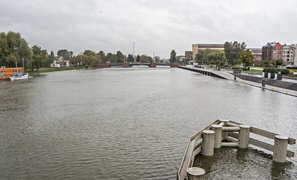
{"type": "Point", "coordinates": [133, 123]}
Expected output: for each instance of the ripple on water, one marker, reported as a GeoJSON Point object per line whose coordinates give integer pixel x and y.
{"type": "Point", "coordinates": [229, 163]}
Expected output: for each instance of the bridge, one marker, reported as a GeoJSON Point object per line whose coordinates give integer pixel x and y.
{"type": "Point", "coordinates": [135, 64]}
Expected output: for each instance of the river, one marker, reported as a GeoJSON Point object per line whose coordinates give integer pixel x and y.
{"type": "Point", "coordinates": [130, 123]}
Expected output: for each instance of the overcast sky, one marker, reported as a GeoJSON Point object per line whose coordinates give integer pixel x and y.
{"type": "Point", "coordinates": [154, 25]}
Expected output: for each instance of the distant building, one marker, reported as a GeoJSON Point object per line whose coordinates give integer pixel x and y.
{"type": "Point", "coordinates": [289, 54]}
{"type": "Point", "coordinates": [272, 51]}
{"type": "Point", "coordinates": [295, 57]}
{"type": "Point", "coordinates": [189, 55]}
{"type": "Point", "coordinates": [197, 47]}
{"type": "Point", "coordinates": [60, 62]}
{"type": "Point", "coordinates": [180, 58]}
{"type": "Point", "coordinates": [257, 53]}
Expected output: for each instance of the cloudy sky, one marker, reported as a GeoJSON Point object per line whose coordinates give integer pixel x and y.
{"type": "Point", "coordinates": [155, 26]}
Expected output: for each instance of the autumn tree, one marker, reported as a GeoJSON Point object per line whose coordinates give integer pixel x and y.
{"type": "Point", "coordinates": [246, 57]}
{"type": "Point", "coordinates": [146, 59]}
{"type": "Point", "coordinates": [89, 58]}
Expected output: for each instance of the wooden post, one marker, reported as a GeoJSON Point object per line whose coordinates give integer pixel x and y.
{"type": "Point", "coordinates": [244, 136]}
{"type": "Point", "coordinates": [218, 135]}
{"type": "Point", "coordinates": [280, 148]}
{"type": "Point", "coordinates": [208, 143]}
{"type": "Point", "coordinates": [195, 173]}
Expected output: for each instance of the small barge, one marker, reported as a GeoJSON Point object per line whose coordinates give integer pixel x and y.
{"type": "Point", "coordinates": [226, 133]}
{"type": "Point", "coordinates": [6, 73]}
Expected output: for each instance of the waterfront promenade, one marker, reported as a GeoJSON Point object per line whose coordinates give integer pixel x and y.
{"type": "Point", "coordinates": [228, 75]}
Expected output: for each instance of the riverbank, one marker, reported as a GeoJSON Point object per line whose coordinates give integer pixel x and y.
{"type": "Point", "coordinates": [46, 70]}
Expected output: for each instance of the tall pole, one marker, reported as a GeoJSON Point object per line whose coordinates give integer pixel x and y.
{"type": "Point", "coordinates": [23, 64]}
{"type": "Point", "coordinates": [133, 49]}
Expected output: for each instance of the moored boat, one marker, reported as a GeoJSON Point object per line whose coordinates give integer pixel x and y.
{"type": "Point", "coordinates": [13, 73]}
{"type": "Point", "coordinates": [21, 77]}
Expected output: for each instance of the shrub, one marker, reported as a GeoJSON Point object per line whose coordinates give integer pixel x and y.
{"type": "Point", "coordinates": [272, 70]}
{"type": "Point", "coordinates": [285, 71]}
{"type": "Point", "coordinates": [266, 69]}
{"type": "Point", "coordinates": [236, 67]}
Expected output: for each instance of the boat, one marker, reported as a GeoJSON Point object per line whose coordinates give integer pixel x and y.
{"type": "Point", "coordinates": [13, 73]}
{"type": "Point", "coordinates": [21, 77]}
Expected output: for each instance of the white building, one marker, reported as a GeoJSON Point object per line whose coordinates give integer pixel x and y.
{"type": "Point", "coordinates": [60, 62]}
{"type": "Point", "coordinates": [295, 56]}
{"type": "Point", "coordinates": [289, 53]}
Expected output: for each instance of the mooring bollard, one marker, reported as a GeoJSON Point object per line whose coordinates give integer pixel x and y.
{"type": "Point", "coordinates": [244, 136]}
{"type": "Point", "coordinates": [208, 143]}
{"type": "Point", "coordinates": [280, 148]}
{"type": "Point", "coordinates": [195, 173]}
{"type": "Point", "coordinates": [218, 135]}
{"type": "Point", "coordinates": [263, 83]}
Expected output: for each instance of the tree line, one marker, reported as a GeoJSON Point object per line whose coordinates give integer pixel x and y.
{"type": "Point", "coordinates": [15, 52]}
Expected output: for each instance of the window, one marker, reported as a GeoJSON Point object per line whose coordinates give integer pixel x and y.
{"type": "Point", "coordinates": [3, 74]}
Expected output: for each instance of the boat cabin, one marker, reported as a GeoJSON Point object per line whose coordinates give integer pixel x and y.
{"type": "Point", "coordinates": [6, 73]}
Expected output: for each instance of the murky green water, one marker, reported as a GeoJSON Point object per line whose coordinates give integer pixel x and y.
{"type": "Point", "coordinates": [130, 123]}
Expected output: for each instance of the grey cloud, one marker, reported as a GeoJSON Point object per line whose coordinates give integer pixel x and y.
{"type": "Point", "coordinates": [154, 26]}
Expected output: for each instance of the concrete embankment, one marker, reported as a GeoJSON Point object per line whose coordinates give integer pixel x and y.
{"type": "Point", "coordinates": [280, 86]}
{"type": "Point", "coordinates": [205, 72]}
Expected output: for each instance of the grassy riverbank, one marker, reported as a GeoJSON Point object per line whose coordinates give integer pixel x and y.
{"type": "Point", "coordinates": [46, 70]}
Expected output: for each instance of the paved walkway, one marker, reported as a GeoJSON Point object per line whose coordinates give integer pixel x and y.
{"type": "Point", "coordinates": [227, 75]}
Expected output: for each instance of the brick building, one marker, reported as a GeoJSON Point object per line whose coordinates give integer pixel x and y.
{"type": "Point", "coordinates": [272, 51]}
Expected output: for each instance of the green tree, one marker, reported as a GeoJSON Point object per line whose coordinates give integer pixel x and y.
{"type": "Point", "coordinates": [101, 54]}
{"type": "Point", "coordinates": [112, 58]}
{"type": "Point", "coordinates": [146, 59]}
{"type": "Point", "coordinates": [246, 57]}
{"type": "Point", "coordinates": [14, 50]}
{"type": "Point", "coordinates": [138, 58]}
{"type": "Point", "coordinates": [201, 57]}
{"type": "Point", "coordinates": [218, 58]}
{"type": "Point", "coordinates": [172, 56]}
{"type": "Point", "coordinates": [233, 51]}
{"type": "Point", "coordinates": [39, 56]}
{"type": "Point", "coordinates": [64, 53]}
{"type": "Point", "coordinates": [120, 57]}
{"type": "Point", "coordinates": [279, 62]}
{"type": "Point", "coordinates": [89, 53]}
{"type": "Point", "coordinates": [88, 58]}
{"type": "Point", "coordinates": [130, 58]}
{"type": "Point", "coordinates": [52, 55]}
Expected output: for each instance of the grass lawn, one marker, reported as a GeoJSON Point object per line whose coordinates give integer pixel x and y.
{"type": "Point", "coordinates": [253, 71]}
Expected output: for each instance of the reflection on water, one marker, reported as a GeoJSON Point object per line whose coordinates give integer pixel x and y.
{"type": "Point", "coordinates": [131, 123]}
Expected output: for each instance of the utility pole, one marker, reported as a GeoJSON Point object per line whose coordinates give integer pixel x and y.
{"type": "Point", "coordinates": [133, 51]}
